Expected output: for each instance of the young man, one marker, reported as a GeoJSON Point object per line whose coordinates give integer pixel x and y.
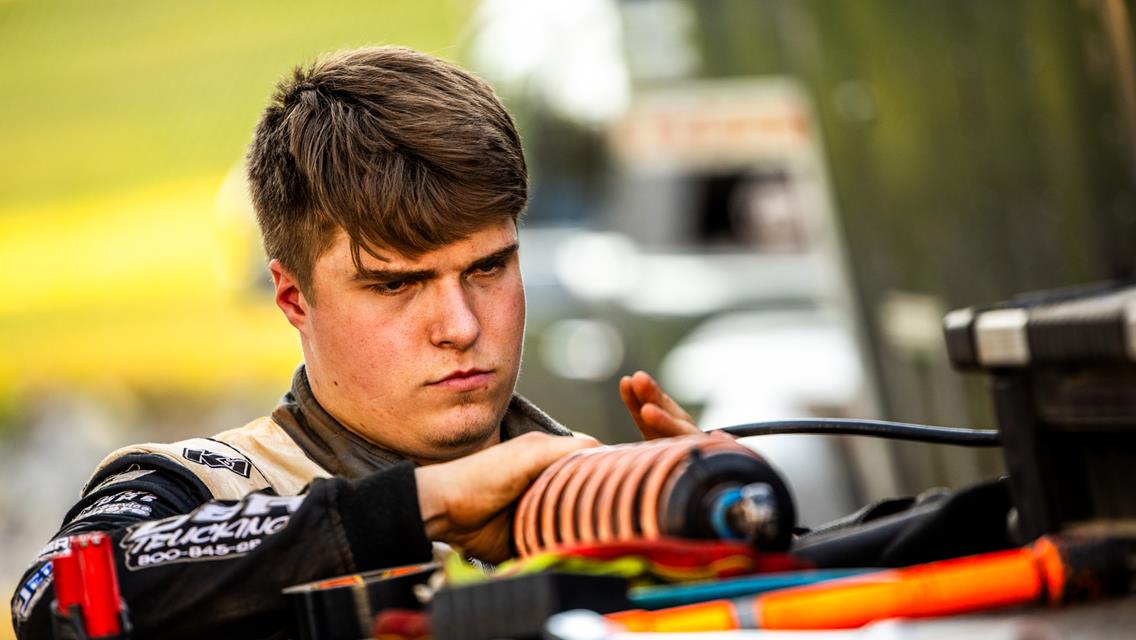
{"type": "Point", "coordinates": [387, 185]}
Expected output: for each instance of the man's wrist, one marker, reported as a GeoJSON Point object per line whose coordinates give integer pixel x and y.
{"type": "Point", "coordinates": [431, 502]}
{"type": "Point", "coordinates": [381, 517]}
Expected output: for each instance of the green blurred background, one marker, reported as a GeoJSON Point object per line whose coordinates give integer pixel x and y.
{"type": "Point", "coordinates": [938, 154]}
{"type": "Point", "coordinates": [121, 121]}
{"type": "Point", "coordinates": [129, 268]}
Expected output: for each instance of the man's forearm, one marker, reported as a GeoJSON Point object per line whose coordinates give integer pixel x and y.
{"type": "Point", "coordinates": [222, 565]}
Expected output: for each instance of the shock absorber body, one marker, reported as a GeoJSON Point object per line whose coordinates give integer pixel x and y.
{"type": "Point", "coordinates": [87, 603]}
{"type": "Point", "coordinates": [700, 486]}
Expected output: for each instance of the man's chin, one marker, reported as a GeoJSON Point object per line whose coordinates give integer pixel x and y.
{"type": "Point", "coordinates": [467, 440]}
{"type": "Point", "coordinates": [463, 435]}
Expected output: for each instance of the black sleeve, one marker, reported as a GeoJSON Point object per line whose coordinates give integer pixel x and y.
{"type": "Point", "coordinates": [189, 566]}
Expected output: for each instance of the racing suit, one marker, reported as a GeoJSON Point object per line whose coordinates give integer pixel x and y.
{"type": "Point", "coordinates": [207, 531]}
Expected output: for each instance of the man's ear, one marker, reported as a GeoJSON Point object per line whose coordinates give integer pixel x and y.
{"type": "Point", "coordinates": [288, 295]}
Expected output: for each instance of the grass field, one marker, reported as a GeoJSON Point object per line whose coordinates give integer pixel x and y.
{"type": "Point", "coordinates": [101, 95]}
{"type": "Point", "coordinates": [126, 252]}
{"type": "Point", "coordinates": [120, 255]}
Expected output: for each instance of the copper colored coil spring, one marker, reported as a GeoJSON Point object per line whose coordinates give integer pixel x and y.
{"type": "Point", "coordinates": [526, 529]}
{"type": "Point", "coordinates": [657, 485]}
{"type": "Point", "coordinates": [573, 508]}
{"type": "Point", "coordinates": [608, 493]}
{"type": "Point", "coordinates": [598, 496]}
{"type": "Point", "coordinates": [633, 493]}
{"type": "Point", "coordinates": [626, 470]}
{"type": "Point", "coordinates": [524, 522]}
{"type": "Point", "coordinates": [559, 511]}
{"type": "Point", "coordinates": [551, 530]}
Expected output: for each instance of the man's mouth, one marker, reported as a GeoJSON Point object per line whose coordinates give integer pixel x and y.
{"type": "Point", "coordinates": [464, 380]}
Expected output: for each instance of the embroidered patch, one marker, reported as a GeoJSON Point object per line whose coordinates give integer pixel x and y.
{"type": "Point", "coordinates": [133, 503]}
{"type": "Point", "coordinates": [217, 461]}
{"type": "Point", "coordinates": [214, 531]}
{"type": "Point", "coordinates": [30, 592]}
{"type": "Point", "coordinates": [57, 545]}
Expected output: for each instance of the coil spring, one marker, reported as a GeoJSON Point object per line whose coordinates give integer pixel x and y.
{"type": "Point", "coordinates": [641, 491]}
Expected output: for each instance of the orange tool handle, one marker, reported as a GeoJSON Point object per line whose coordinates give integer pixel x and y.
{"type": "Point", "coordinates": [716, 615]}
{"type": "Point", "coordinates": [947, 587]}
{"type": "Point", "coordinates": [942, 588]}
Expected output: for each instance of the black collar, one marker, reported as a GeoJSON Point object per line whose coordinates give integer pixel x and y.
{"type": "Point", "coordinates": [343, 452]}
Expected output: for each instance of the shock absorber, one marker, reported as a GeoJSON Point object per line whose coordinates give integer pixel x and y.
{"type": "Point", "coordinates": [701, 486]}
{"type": "Point", "coordinates": [87, 603]}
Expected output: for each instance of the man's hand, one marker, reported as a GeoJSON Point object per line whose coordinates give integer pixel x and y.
{"type": "Point", "coordinates": [655, 413]}
{"type": "Point", "coordinates": [467, 502]}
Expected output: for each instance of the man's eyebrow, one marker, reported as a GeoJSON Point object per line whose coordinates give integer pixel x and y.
{"type": "Point", "coordinates": [496, 257]}
{"type": "Point", "coordinates": [419, 275]}
{"type": "Point", "coordinates": [389, 275]}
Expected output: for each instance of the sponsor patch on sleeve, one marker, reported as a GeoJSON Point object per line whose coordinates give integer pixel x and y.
{"type": "Point", "coordinates": [57, 545]}
{"type": "Point", "coordinates": [130, 503]}
{"type": "Point", "coordinates": [215, 531]}
{"type": "Point", "coordinates": [217, 461]}
{"type": "Point", "coordinates": [30, 592]}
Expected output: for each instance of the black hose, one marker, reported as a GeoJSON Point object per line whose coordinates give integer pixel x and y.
{"type": "Point", "coordinates": [878, 428]}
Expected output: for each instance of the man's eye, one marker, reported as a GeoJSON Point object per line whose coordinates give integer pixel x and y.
{"type": "Point", "coordinates": [389, 288]}
{"type": "Point", "coordinates": [486, 269]}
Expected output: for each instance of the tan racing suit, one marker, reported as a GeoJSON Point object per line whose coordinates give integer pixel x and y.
{"type": "Point", "coordinates": [209, 530]}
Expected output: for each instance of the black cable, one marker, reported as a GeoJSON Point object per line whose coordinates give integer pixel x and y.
{"type": "Point", "coordinates": [878, 428]}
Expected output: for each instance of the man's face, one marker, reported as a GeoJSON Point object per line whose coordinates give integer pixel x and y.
{"type": "Point", "coordinates": [419, 356]}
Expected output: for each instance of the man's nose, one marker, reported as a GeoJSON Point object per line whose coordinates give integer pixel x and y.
{"type": "Point", "coordinates": [455, 322]}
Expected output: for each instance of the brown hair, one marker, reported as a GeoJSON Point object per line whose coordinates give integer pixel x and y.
{"type": "Point", "coordinates": [401, 150]}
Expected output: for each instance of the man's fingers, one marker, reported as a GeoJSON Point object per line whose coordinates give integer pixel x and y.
{"type": "Point", "coordinates": [627, 392]}
{"type": "Point", "coordinates": [648, 390]}
{"type": "Point", "coordinates": [464, 495]}
{"type": "Point", "coordinates": [634, 405]}
{"type": "Point", "coordinates": [663, 424]}
{"type": "Point", "coordinates": [655, 413]}
{"type": "Point", "coordinates": [523, 458]}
